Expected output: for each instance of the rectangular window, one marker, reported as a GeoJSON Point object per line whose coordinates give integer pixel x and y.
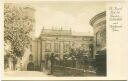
{"type": "Point", "coordinates": [97, 38]}
{"type": "Point", "coordinates": [57, 47]}
{"type": "Point", "coordinates": [47, 47]}
{"type": "Point", "coordinates": [66, 47]}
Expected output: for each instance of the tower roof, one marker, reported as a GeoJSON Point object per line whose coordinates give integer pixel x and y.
{"type": "Point", "coordinates": [96, 17]}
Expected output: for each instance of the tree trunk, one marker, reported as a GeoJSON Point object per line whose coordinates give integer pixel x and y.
{"type": "Point", "coordinates": [11, 67]}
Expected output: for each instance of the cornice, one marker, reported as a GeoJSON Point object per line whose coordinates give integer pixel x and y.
{"type": "Point", "coordinates": [96, 17]}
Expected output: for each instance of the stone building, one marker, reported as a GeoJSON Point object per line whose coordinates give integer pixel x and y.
{"type": "Point", "coordinates": [98, 23]}
{"type": "Point", "coordinates": [58, 42]}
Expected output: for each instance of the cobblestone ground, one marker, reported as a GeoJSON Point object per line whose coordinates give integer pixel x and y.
{"type": "Point", "coordinates": [26, 74]}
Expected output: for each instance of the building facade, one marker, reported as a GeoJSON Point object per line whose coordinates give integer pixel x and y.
{"type": "Point", "coordinates": [58, 42]}
{"type": "Point", "coordinates": [98, 23]}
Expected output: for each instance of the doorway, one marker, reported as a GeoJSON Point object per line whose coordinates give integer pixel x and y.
{"type": "Point", "coordinates": [30, 66]}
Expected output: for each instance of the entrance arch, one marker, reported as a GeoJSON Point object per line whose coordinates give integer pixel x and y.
{"type": "Point", "coordinates": [30, 66]}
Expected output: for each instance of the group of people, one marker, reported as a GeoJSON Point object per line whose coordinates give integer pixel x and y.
{"type": "Point", "coordinates": [51, 60]}
{"type": "Point", "coordinates": [47, 64]}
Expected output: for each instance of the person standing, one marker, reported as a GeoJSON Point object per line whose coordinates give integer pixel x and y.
{"type": "Point", "coordinates": [43, 65]}
{"type": "Point", "coordinates": [50, 64]}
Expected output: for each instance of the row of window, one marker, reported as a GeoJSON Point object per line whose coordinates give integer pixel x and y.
{"type": "Point", "coordinates": [57, 47]}
{"type": "Point", "coordinates": [66, 46]}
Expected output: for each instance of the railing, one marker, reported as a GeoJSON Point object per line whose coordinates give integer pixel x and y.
{"type": "Point", "coordinates": [69, 71]}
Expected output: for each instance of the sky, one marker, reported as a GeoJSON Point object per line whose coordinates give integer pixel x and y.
{"type": "Point", "coordinates": [68, 15]}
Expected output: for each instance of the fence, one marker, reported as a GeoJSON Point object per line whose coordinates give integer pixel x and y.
{"type": "Point", "coordinates": [68, 71]}
{"type": "Point", "coordinates": [72, 68]}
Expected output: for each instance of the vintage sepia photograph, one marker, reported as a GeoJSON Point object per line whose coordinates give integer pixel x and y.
{"type": "Point", "coordinates": [67, 80]}
{"type": "Point", "coordinates": [55, 39]}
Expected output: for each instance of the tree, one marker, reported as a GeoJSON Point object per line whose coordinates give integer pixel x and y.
{"type": "Point", "coordinates": [17, 27]}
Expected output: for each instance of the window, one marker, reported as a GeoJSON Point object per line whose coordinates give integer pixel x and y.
{"type": "Point", "coordinates": [66, 47]}
{"type": "Point", "coordinates": [104, 34]}
{"type": "Point", "coordinates": [30, 57]}
{"type": "Point", "coordinates": [98, 38]}
{"type": "Point", "coordinates": [104, 37]}
{"type": "Point", "coordinates": [47, 47]}
{"type": "Point", "coordinates": [57, 47]}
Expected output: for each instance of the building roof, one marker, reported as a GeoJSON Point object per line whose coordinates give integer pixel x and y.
{"type": "Point", "coordinates": [81, 34]}
{"type": "Point", "coordinates": [29, 7]}
{"type": "Point", "coordinates": [55, 32]}
{"type": "Point", "coordinates": [96, 17]}
{"type": "Point", "coordinates": [63, 32]}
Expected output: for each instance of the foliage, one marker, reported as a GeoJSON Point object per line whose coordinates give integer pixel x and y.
{"type": "Point", "coordinates": [76, 55]}
{"type": "Point", "coordinates": [17, 28]}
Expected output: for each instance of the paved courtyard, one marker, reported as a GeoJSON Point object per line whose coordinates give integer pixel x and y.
{"type": "Point", "coordinates": [26, 74]}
